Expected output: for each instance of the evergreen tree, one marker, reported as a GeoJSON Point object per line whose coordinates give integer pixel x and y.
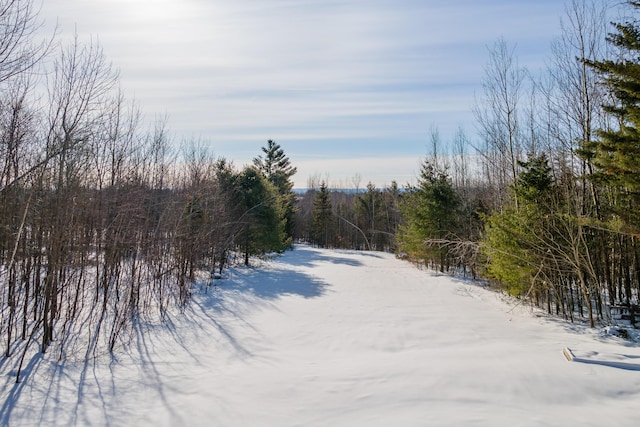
{"type": "Point", "coordinates": [540, 248]}
{"type": "Point", "coordinates": [518, 240]}
{"type": "Point", "coordinates": [277, 168]}
{"type": "Point", "coordinates": [263, 221]}
{"type": "Point", "coordinates": [535, 182]}
{"type": "Point", "coordinates": [369, 207]}
{"type": "Point", "coordinates": [431, 217]}
{"type": "Point", "coordinates": [322, 217]}
{"type": "Point", "coordinates": [506, 245]}
{"type": "Point", "coordinates": [616, 153]}
{"type": "Point", "coordinates": [391, 200]}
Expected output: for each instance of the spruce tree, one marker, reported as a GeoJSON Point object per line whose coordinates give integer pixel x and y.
{"type": "Point", "coordinates": [321, 217]}
{"type": "Point", "coordinates": [277, 168]}
{"type": "Point", "coordinates": [369, 210]}
{"type": "Point", "coordinates": [431, 212]}
{"type": "Point", "coordinates": [518, 239]}
{"type": "Point", "coordinates": [263, 221]}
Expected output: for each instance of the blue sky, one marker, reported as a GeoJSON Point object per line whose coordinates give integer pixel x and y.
{"type": "Point", "coordinates": [347, 87]}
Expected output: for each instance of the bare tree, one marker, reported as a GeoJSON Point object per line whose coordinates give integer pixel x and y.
{"type": "Point", "coordinates": [19, 52]}
{"type": "Point", "coordinates": [574, 112]}
{"type": "Point", "coordinates": [82, 81]}
{"type": "Point", "coordinates": [498, 114]}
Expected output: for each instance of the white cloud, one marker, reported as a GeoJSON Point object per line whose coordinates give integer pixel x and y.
{"type": "Point", "coordinates": [313, 73]}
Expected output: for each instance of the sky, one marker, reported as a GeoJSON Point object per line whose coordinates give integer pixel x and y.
{"type": "Point", "coordinates": [351, 89]}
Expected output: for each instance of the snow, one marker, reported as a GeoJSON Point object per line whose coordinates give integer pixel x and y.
{"type": "Point", "coordinates": [342, 338]}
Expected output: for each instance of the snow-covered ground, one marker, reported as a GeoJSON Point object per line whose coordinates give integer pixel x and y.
{"type": "Point", "coordinates": [340, 338]}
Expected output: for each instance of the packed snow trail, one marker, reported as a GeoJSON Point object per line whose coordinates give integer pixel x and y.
{"type": "Point", "coordinates": [342, 338]}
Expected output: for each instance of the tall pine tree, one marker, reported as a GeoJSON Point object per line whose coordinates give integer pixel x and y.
{"type": "Point", "coordinates": [322, 218]}
{"type": "Point", "coordinates": [263, 221]}
{"type": "Point", "coordinates": [514, 241]}
{"type": "Point", "coordinates": [277, 168]}
{"type": "Point", "coordinates": [615, 155]}
{"type": "Point", "coordinates": [431, 212]}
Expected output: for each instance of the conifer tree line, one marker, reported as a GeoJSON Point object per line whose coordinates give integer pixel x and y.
{"type": "Point", "coordinates": [365, 219]}
{"type": "Point", "coordinates": [546, 204]}
{"type": "Point", "coordinates": [102, 220]}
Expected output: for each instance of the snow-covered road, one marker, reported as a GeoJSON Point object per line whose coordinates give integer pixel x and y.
{"type": "Point", "coordinates": [341, 338]}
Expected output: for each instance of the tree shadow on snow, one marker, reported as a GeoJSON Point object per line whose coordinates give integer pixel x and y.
{"type": "Point", "coordinates": [43, 395]}
{"type": "Point", "coordinates": [227, 303]}
{"type": "Point", "coordinates": [203, 312]}
{"type": "Point", "coordinates": [580, 326]}
{"type": "Point", "coordinates": [308, 256]}
{"type": "Point", "coordinates": [17, 388]}
{"type": "Point", "coordinates": [272, 284]}
{"type": "Point", "coordinates": [233, 298]}
{"type": "Point", "coordinates": [369, 254]}
{"type": "Point", "coordinates": [282, 278]}
{"type": "Point", "coordinates": [613, 360]}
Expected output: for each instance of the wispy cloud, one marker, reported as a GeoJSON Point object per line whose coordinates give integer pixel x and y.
{"type": "Point", "coordinates": [333, 78]}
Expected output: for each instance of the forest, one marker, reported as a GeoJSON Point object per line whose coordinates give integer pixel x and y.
{"type": "Point", "coordinates": [104, 221]}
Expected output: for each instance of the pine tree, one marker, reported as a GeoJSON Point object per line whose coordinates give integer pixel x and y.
{"type": "Point", "coordinates": [431, 217]}
{"type": "Point", "coordinates": [322, 217]}
{"type": "Point", "coordinates": [516, 239]}
{"type": "Point", "coordinates": [615, 155]}
{"type": "Point", "coordinates": [277, 168]}
{"type": "Point", "coordinates": [369, 209]}
{"type": "Point", "coordinates": [263, 218]}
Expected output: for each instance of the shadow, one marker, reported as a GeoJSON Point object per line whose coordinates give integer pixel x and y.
{"type": "Point", "coordinates": [177, 337]}
{"type": "Point", "coordinates": [370, 254]}
{"type": "Point", "coordinates": [580, 326]}
{"type": "Point", "coordinates": [618, 361]}
{"type": "Point", "coordinates": [151, 371]}
{"type": "Point", "coordinates": [197, 316]}
{"type": "Point", "coordinates": [246, 289]}
{"type": "Point", "coordinates": [338, 260]}
{"type": "Point", "coordinates": [309, 256]}
{"type": "Point", "coordinates": [274, 283]}
{"type": "Point", "coordinates": [80, 392]}
{"type": "Point", "coordinates": [16, 391]}
{"type": "Point", "coordinates": [77, 392]}
{"type": "Point", "coordinates": [101, 394]}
